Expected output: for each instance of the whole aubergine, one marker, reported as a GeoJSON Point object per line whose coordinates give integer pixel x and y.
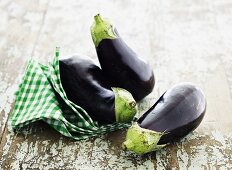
{"type": "Point", "coordinates": [177, 112]}
{"type": "Point", "coordinates": [119, 62]}
{"type": "Point", "coordinates": [86, 86]}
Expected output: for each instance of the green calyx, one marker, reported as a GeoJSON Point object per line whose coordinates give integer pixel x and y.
{"type": "Point", "coordinates": [101, 29]}
{"type": "Point", "coordinates": [141, 141]}
{"type": "Point", "coordinates": [125, 105]}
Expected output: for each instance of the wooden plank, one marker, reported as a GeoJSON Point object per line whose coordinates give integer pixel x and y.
{"type": "Point", "coordinates": [20, 23]}
{"type": "Point", "coordinates": [183, 41]}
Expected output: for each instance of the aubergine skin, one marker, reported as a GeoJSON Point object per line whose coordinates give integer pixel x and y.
{"type": "Point", "coordinates": [86, 86]}
{"type": "Point", "coordinates": [119, 62]}
{"type": "Point", "coordinates": [126, 70]}
{"type": "Point", "coordinates": [178, 111]}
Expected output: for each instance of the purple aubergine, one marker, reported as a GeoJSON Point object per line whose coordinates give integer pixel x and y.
{"type": "Point", "coordinates": [120, 63]}
{"type": "Point", "coordinates": [85, 85]}
{"type": "Point", "coordinates": [176, 113]}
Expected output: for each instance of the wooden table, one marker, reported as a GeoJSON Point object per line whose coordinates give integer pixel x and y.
{"type": "Point", "coordinates": [182, 40]}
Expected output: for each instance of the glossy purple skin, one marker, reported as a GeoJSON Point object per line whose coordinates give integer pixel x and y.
{"type": "Point", "coordinates": [125, 69]}
{"type": "Point", "coordinates": [178, 111]}
{"type": "Point", "coordinates": [86, 85]}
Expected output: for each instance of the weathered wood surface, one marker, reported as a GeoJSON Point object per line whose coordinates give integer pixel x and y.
{"type": "Point", "coordinates": [183, 40]}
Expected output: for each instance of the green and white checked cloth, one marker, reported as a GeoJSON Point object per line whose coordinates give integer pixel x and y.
{"type": "Point", "coordinates": [41, 97]}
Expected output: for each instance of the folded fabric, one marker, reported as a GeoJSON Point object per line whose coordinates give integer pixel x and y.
{"type": "Point", "coordinates": [41, 97]}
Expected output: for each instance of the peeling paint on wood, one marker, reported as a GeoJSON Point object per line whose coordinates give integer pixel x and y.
{"type": "Point", "coordinates": [183, 41]}
{"type": "Point", "coordinates": [196, 151]}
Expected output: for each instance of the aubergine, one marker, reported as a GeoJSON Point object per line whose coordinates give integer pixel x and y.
{"type": "Point", "coordinates": [120, 63]}
{"type": "Point", "coordinates": [176, 113]}
{"type": "Point", "coordinates": [85, 85]}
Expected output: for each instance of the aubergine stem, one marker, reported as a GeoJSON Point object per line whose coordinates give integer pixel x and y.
{"type": "Point", "coordinates": [101, 29]}
{"type": "Point", "coordinates": [142, 140]}
{"type": "Point", "coordinates": [125, 105]}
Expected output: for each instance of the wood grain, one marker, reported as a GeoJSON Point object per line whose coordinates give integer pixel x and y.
{"type": "Point", "coordinates": [183, 41]}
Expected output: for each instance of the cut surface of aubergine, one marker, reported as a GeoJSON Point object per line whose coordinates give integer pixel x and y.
{"type": "Point", "coordinates": [119, 62]}
{"type": "Point", "coordinates": [85, 85]}
{"type": "Point", "coordinates": [177, 112]}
